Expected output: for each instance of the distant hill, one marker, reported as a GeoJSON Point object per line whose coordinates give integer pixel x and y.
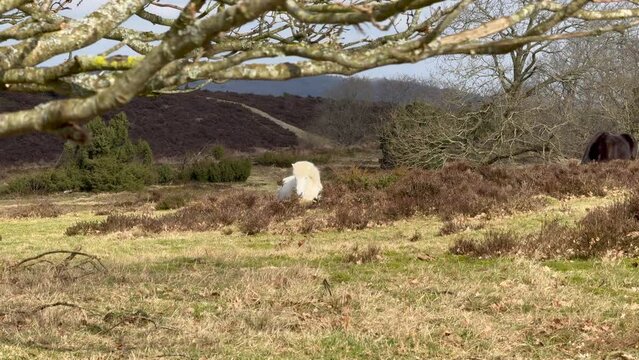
{"type": "Point", "coordinates": [330, 86]}
{"type": "Point", "coordinates": [316, 86]}
{"type": "Point", "coordinates": [174, 125]}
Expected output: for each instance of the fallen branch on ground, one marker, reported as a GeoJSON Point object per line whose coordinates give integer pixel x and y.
{"type": "Point", "coordinates": [89, 259]}
{"type": "Point", "coordinates": [42, 307]}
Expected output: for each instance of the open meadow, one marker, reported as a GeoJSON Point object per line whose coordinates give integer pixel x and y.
{"type": "Point", "coordinates": [365, 283]}
{"type": "Point", "coordinates": [319, 179]}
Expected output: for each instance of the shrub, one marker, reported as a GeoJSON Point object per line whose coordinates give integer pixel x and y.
{"type": "Point", "coordinates": [451, 227]}
{"type": "Point", "coordinates": [455, 193]}
{"type": "Point", "coordinates": [40, 210]}
{"type": "Point", "coordinates": [254, 222]}
{"type": "Point", "coordinates": [350, 217]}
{"type": "Point", "coordinates": [170, 202]}
{"type": "Point", "coordinates": [353, 209]}
{"type": "Point", "coordinates": [218, 152]}
{"type": "Point", "coordinates": [225, 170]}
{"type": "Point", "coordinates": [112, 223]}
{"type": "Point", "coordinates": [252, 212]}
{"type": "Point", "coordinates": [284, 159]}
{"type": "Point", "coordinates": [29, 184]}
{"type": "Point", "coordinates": [495, 243]}
{"type": "Point", "coordinates": [553, 240]}
{"type": "Point", "coordinates": [231, 170]}
{"type": "Point", "coordinates": [107, 174]}
{"type": "Point", "coordinates": [110, 162]}
{"type": "Point", "coordinates": [417, 236]}
{"type": "Point", "coordinates": [420, 135]}
{"type": "Point", "coordinates": [456, 225]}
{"type": "Point", "coordinates": [611, 229]}
{"type": "Point", "coordinates": [438, 137]}
{"type": "Point", "coordinates": [358, 179]}
{"type": "Point", "coordinates": [143, 152]}
{"type": "Point", "coordinates": [45, 182]}
{"type": "Point", "coordinates": [81, 228]}
{"type": "Point", "coordinates": [447, 193]}
{"type": "Point", "coordinates": [165, 173]}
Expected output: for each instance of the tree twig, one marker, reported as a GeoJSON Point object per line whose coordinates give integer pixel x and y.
{"type": "Point", "coordinates": [71, 255]}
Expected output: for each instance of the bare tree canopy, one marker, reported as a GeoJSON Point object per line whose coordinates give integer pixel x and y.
{"type": "Point", "coordinates": [217, 40]}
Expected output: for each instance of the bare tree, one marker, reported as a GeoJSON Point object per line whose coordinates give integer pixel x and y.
{"type": "Point", "coordinates": [573, 90]}
{"type": "Point", "coordinates": [419, 135]}
{"type": "Point", "coordinates": [602, 92]}
{"type": "Point", "coordinates": [521, 115]}
{"type": "Point", "coordinates": [219, 39]}
{"type": "Point", "coordinates": [351, 114]}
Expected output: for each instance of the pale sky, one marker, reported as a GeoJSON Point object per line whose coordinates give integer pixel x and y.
{"type": "Point", "coordinates": [422, 69]}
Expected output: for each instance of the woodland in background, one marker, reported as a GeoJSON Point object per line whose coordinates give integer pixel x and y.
{"type": "Point", "coordinates": [540, 103]}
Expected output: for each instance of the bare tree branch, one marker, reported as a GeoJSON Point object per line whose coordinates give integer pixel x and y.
{"type": "Point", "coordinates": [217, 40]}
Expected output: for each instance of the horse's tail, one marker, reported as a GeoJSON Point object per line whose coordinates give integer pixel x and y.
{"type": "Point", "coordinates": [633, 145]}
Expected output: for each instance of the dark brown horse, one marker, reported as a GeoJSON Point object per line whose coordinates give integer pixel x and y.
{"type": "Point", "coordinates": [606, 146]}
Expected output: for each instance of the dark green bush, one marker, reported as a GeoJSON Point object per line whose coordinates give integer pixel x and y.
{"type": "Point", "coordinates": [107, 174]}
{"type": "Point", "coordinates": [143, 152]}
{"type": "Point", "coordinates": [286, 158]}
{"type": "Point", "coordinates": [166, 174]}
{"type": "Point", "coordinates": [218, 152]}
{"type": "Point", "coordinates": [198, 171]}
{"type": "Point", "coordinates": [225, 170]}
{"type": "Point", "coordinates": [230, 170]}
{"type": "Point", "coordinates": [110, 162]}
{"type": "Point", "coordinates": [45, 182]}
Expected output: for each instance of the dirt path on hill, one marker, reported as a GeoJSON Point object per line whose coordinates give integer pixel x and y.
{"type": "Point", "coordinates": [304, 136]}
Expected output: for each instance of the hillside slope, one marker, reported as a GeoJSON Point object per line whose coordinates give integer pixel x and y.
{"type": "Point", "coordinates": [295, 110]}
{"type": "Point", "coordinates": [174, 125]}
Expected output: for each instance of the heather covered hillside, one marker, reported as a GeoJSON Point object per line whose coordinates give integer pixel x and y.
{"type": "Point", "coordinates": [179, 124]}
{"type": "Point", "coordinates": [173, 125]}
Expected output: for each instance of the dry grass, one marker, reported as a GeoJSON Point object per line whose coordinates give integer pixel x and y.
{"type": "Point", "coordinates": [254, 300]}
{"type": "Point", "coordinates": [357, 255]}
{"type": "Point", "coordinates": [459, 224]}
{"type": "Point", "coordinates": [202, 289]}
{"type": "Point", "coordinates": [613, 229]}
{"type": "Point", "coordinates": [244, 302]}
{"type": "Point", "coordinates": [357, 199]}
{"type": "Point", "coordinates": [494, 244]}
{"type": "Point", "coordinates": [171, 201]}
{"type": "Point", "coordinates": [251, 211]}
{"type": "Point", "coordinates": [44, 209]}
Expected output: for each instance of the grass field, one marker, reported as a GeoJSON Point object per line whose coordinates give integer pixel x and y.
{"type": "Point", "coordinates": [391, 291]}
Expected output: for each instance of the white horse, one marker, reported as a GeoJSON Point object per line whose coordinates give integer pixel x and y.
{"type": "Point", "coordinates": [305, 182]}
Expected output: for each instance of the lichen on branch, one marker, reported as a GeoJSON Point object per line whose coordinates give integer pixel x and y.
{"type": "Point", "coordinates": [225, 39]}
